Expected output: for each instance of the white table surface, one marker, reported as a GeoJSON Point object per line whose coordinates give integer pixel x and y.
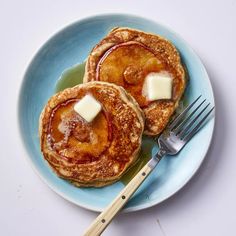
{"type": "Point", "coordinates": [206, 206]}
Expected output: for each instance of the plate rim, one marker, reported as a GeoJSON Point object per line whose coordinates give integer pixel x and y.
{"type": "Point", "coordinates": [20, 130]}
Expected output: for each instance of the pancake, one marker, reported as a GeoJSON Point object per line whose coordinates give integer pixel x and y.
{"type": "Point", "coordinates": [125, 57]}
{"type": "Point", "coordinates": [95, 153]}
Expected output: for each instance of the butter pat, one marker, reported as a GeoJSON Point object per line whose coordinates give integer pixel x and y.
{"type": "Point", "coordinates": [158, 86]}
{"type": "Point", "coordinates": [88, 108]}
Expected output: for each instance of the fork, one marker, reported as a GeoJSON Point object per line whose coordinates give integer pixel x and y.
{"type": "Point", "coordinates": [170, 142]}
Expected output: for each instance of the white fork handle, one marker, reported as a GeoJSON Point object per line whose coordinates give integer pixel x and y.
{"type": "Point", "coordinates": [103, 220]}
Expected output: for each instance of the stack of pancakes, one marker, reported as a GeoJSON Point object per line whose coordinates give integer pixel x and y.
{"type": "Point", "coordinates": [98, 153]}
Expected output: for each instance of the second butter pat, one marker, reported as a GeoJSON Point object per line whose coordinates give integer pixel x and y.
{"type": "Point", "coordinates": [158, 86]}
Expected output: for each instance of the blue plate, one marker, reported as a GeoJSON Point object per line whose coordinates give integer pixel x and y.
{"type": "Point", "coordinates": [71, 46]}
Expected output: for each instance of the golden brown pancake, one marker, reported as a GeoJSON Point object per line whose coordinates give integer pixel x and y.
{"type": "Point", "coordinates": [125, 57]}
{"type": "Point", "coordinates": [95, 153]}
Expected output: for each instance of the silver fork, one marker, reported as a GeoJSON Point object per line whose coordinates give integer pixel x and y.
{"type": "Point", "coordinates": [171, 141]}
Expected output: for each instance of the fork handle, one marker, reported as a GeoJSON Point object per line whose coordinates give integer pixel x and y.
{"type": "Point", "coordinates": [103, 220]}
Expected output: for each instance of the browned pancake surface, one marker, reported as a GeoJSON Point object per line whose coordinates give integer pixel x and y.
{"type": "Point", "coordinates": [125, 57]}
{"type": "Point", "coordinates": [95, 153]}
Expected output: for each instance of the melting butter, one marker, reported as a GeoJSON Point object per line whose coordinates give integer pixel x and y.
{"type": "Point", "coordinates": [88, 107]}
{"type": "Point", "coordinates": [158, 86]}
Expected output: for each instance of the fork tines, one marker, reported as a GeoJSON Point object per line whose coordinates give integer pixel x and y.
{"type": "Point", "coordinates": [186, 124]}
